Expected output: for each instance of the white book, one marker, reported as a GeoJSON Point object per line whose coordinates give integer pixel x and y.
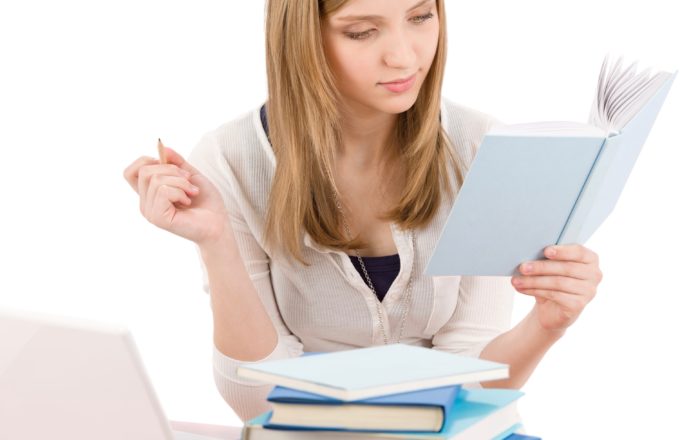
{"type": "Point", "coordinates": [374, 371]}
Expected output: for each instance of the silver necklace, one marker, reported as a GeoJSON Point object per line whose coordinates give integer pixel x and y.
{"type": "Point", "coordinates": [409, 288]}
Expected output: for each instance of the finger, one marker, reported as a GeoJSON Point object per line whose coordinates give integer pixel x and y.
{"type": "Point", "coordinates": [131, 172]}
{"type": "Point", "coordinates": [571, 252]}
{"type": "Point", "coordinates": [570, 304]}
{"type": "Point", "coordinates": [563, 268]}
{"type": "Point", "coordinates": [164, 206]}
{"type": "Point", "coordinates": [182, 183]}
{"type": "Point", "coordinates": [557, 283]}
{"type": "Point", "coordinates": [549, 295]}
{"type": "Point", "coordinates": [163, 183]}
{"type": "Point", "coordinates": [175, 158]}
{"type": "Point", "coordinates": [149, 172]}
{"type": "Point", "coordinates": [161, 204]}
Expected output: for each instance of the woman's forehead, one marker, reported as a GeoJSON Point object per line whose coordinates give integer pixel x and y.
{"type": "Point", "coordinates": [375, 10]}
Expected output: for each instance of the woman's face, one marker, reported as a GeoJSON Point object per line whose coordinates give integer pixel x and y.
{"type": "Point", "coordinates": [369, 43]}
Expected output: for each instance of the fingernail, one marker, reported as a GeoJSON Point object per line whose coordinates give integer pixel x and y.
{"type": "Point", "coordinates": [527, 267]}
{"type": "Point", "coordinates": [551, 252]}
{"type": "Point", "coordinates": [194, 188]}
{"type": "Point", "coordinates": [186, 173]}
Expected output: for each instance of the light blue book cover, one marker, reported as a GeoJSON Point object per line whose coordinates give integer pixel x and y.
{"type": "Point", "coordinates": [526, 191]}
{"type": "Point", "coordinates": [475, 412]}
{"type": "Point", "coordinates": [374, 371]}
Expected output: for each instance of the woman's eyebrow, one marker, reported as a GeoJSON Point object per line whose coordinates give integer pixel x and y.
{"type": "Point", "coordinates": [378, 17]}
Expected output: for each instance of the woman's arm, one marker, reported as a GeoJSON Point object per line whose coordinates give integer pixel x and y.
{"type": "Point", "coordinates": [521, 348]}
{"type": "Point", "coordinates": [483, 311]}
{"type": "Point", "coordinates": [242, 329]}
{"type": "Point", "coordinates": [247, 324]}
{"type": "Point", "coordinates": [562, 285]}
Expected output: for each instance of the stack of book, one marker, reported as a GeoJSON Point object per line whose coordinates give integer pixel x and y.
{"type": "Point", "coordinates": [385, 392]}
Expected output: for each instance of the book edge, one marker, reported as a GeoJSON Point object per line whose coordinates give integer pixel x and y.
{"type": "Point", "coordinates": [584, 188]}
{"type": "Point", "coordinates": [350, 395]}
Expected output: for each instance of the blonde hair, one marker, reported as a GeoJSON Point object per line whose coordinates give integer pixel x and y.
{"type": "Point", "coordinates": [303, 122]}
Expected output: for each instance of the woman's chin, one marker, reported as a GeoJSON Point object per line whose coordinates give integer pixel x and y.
{"type": "Point", "coordinates": [398, 104]}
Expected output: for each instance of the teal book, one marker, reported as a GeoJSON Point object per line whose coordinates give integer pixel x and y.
{"type": "Point", "coordinates": [520, 437]}
{"type": "Point", "coordinates": [537, 184]}
{"type": "Point", "coordinates": [511, 434]}
{"type": "Point", "coordinates": [363, 373]}
{"type": "Point", "coordinates": [477, 414]}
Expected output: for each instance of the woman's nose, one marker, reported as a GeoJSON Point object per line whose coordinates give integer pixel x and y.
{"type": "Point", "coordinates": [399, 51]}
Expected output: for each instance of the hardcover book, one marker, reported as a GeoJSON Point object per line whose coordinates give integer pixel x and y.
{"type": "Point", "coordinates": [374, 371]}
{"type": "Point", "coordinates": [532, 185]}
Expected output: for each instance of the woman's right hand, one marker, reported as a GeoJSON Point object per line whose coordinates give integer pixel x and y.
{"type": "Point", "coordinates": [178, 198]}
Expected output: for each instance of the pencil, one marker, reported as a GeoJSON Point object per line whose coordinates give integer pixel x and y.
{"type": "Point", "coordinates": [161, 152]}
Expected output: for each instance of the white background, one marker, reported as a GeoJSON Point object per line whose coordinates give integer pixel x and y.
{"type": "Point", "coordinates": [87, 87]}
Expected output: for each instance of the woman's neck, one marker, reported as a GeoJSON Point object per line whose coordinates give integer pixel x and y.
{"type": "Point", "coordinates": [368, 164]}
{"type": "Point", "coordinates": [367, 139]}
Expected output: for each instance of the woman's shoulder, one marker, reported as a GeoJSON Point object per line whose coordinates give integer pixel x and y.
{"type": "Point", "coordinates": [236, 155]}
{"type": "Point", "coordinates": [243, 139]}
{"type": "Point", "coordinates": [239, 138]}
{"type": "Point", "coordinates": [465, 120]}
{"type": "Point", "coordinates": [465, 125]}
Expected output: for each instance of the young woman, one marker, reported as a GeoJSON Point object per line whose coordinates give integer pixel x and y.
{"type": "Point", "coordinates": [315, 213]}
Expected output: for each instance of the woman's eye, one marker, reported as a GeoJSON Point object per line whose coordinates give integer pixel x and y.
{"type": "Point", "coordinates": [423, 18]}
{"type": "Point", "coordinates": [418, 19]}
{"type": "Point", "coordinates": [358, 35]}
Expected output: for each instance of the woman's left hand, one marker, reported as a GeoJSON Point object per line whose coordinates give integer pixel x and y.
{"type": "Point", "coordinates": [562, 285]}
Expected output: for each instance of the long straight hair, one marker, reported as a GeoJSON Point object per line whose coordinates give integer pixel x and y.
{"type": "Point", "coordinates": [304, 130]}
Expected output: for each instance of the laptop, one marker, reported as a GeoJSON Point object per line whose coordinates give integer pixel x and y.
{"type": "Point", "coordinates": [67, 378]}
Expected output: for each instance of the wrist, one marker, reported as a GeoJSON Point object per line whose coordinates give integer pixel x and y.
{"type": "Point", "coordinates": [219, 243]}
{"type": "Point", "coordinates": [538, 328]}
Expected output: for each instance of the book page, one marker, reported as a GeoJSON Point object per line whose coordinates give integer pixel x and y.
{"type": "Point", "coordinates": [549, 128]}
{"type": "Point", "coordinates": [621, 93]}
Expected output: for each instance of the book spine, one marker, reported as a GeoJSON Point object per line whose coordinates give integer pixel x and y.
{"type": "Point", "coordinates": [576, 228]}
{"type": "Point", "coordinates": [600, 194]}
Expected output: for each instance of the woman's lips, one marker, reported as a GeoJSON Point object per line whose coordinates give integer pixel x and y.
{"type": "Point", "coordinates": [400, 86]}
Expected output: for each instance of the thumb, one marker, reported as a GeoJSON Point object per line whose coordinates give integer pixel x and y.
{"type": "Point", "coordinates": [175, 158]}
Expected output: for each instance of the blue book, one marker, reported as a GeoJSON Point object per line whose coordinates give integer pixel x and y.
{"type": "Point", "coordinates": [477, 414]}
{"type": "Point", "coordinates": [509, 432]}
{"type": "Point", "coordinates": [534, 185]}
{"type": "Point", "coordinates": [363, 373]}
{"type": "Point", "coordinates": [417, 411]}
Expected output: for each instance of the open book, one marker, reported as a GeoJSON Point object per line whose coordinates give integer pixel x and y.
{"type": "Point", "coordinates": [536, 184]}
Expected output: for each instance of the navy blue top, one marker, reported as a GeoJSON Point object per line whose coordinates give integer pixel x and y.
{"type": "Point", "coordinates": [381, 270]}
